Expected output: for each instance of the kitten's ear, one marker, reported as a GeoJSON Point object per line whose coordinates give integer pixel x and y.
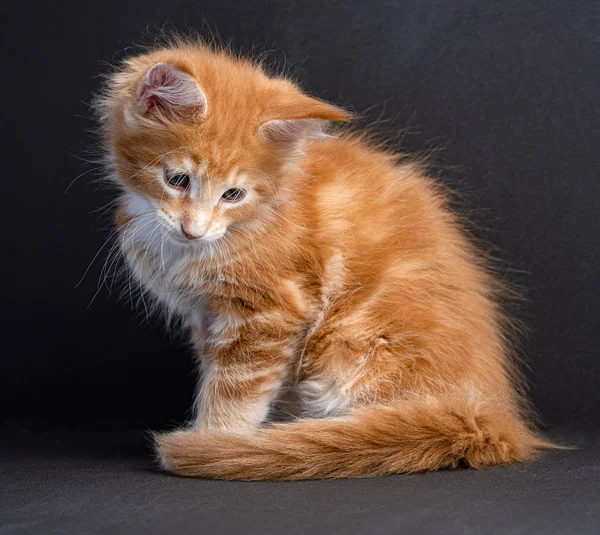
{"type": "Point", "coordinates": [169, 91]}
{"type": "Point", "coordinates": [303, 119]}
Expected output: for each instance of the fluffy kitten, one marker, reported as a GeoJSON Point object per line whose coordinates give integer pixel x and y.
{"type": "Point", "coordinates": [310, 263]}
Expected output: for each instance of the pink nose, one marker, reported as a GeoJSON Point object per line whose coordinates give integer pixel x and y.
{"type": "Point", "coordinates": [190, 236]}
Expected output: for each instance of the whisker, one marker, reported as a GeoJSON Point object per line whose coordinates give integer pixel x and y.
{"type": "Point", "coordinates": [81, 175]}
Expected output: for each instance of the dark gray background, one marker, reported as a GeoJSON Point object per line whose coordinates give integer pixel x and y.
{"type": "Point", "coordinates": [509, 89]}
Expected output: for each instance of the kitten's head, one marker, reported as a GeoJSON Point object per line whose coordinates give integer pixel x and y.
{"type": "Point", "coordinates": [198, 139]}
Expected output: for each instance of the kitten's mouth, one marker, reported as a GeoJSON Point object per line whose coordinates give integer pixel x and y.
{"type": "Point", "coordinates": [180, 239]}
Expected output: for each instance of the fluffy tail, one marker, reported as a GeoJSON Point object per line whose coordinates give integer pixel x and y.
{"type": "Point", "coordinates": [410, 436]}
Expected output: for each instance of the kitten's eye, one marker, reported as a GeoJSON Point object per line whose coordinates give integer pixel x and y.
{"type": "Point", "coordinates": [234, 195]}
{"type": "Point", "coordinates": [177, 180]}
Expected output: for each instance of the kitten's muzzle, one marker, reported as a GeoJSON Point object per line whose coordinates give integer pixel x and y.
{"type": "Point", "coordinates": [190, 235]}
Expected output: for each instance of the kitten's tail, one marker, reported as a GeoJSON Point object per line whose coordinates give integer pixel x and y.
{"type": "Point", "coordinates": [409, 436]}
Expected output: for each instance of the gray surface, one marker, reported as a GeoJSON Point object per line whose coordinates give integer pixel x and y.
{"type": "Point", "coordinates": [104, 482]}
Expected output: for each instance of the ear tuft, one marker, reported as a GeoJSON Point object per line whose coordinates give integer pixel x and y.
{"type": "Point", "coordinates": [168, 90]}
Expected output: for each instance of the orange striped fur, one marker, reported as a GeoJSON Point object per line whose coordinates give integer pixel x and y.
{"type": "Point", "coordinates": [340, 289]}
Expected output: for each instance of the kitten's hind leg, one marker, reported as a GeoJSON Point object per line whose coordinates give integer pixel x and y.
{"type": "Point", "coordinates": [341, 373]}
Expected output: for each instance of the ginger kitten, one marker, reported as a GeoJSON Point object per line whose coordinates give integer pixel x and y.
{"type": "Point", "coordinates": [309, 263]}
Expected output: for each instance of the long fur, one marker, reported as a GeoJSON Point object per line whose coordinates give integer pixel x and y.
{"type": "Point", "coordinates": [417, 435]}
{"type": "Point", "coordinates": [341, 276]}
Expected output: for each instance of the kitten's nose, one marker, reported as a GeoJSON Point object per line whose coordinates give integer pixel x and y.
{"type": "Point", "coordinates": [189, 235]}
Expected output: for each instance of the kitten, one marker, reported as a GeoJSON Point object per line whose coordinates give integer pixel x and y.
{"type": "Point", "coordinates": [305, 262]}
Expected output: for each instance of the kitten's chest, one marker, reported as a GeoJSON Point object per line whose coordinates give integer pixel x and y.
{"type": "Point", "coordinates": [187, 285]}
{"type": "Point", "coordinates": [165, 274]}
{"type": "Point", "coordinates": [221, 289]}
